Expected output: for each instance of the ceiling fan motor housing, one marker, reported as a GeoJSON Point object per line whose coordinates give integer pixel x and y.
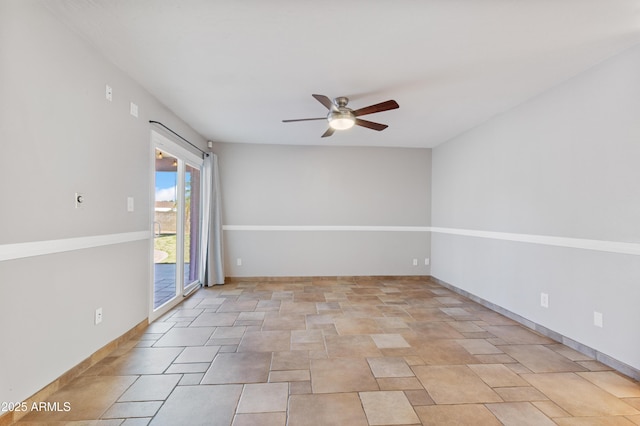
{"type": "Point", "coordinates": [340, 117]}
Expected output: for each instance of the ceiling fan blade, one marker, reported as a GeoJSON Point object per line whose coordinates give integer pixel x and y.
{"type": "Point", "coordinates": [303, 119]}
{"type": "Point", "coordinates": [325, 101]}
{"type": "Point", "coordinates": [328, 133]}
{"type": "Point", "coordinates": [382, 106]}
{"type": "Point", "coordinates": [370, 124]}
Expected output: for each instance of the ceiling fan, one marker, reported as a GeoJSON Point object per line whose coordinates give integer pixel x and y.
{"type": "Point", "coordinates": [340, 117]}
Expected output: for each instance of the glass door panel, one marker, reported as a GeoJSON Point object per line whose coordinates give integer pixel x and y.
{"type": "Point", "coordinates": [192, 194]}
{"type": "Point", "coordinates": [165, 226]}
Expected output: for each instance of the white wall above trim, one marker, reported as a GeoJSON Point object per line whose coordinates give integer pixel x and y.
{"type": "Point", "coordinates": [579, 243]}
{"type": "Point", "coordinates": [40, 248]}
{"type": "Point", "coordinates": [324, 228]}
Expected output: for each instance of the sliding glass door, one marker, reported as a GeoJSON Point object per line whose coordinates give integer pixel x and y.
{"type": "Point", "coordinates": [176, 222]}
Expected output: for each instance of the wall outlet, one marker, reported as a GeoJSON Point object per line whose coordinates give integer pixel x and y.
{"type": "Point", "coordinates": [98, 316]}
{"type": "Point", "coordinates": [544, 300]}
{"type": "Point", "coordinates": [427, 262]}
{"type": "Point", "coordinates": [79, 199]}
{"type": "Point", "coordinates": [108, 92]}
{"type": "Point", "coordinates": [129, 204]}
{"type": "Point", "coordinates": [239, 262]}
{"type": "Point", "coordinates": [415, 262]}
{"type": "Point", "coordinates": [597, 319]}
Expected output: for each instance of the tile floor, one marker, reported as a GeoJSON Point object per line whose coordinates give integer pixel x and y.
{"type": "Point", "coordinates": [342, 352]}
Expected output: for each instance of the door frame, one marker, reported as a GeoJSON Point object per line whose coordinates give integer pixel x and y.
{"type": "Point", "coordinates": [172, 147]}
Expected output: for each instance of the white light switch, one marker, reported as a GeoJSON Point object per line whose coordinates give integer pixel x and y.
{"type": "Point", "coordinates": [597, 319]}
{"type": "Point", "coordinates": [134, 109]}
{"type": "Point", "coordinates": [129, 204]}
{"type": "Point", "coordinates": [108, 92]}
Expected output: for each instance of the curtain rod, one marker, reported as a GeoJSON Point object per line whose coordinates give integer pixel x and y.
{"type": "Point", "coordinates": [160, 124]}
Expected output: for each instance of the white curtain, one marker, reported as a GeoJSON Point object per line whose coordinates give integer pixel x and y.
{"type": "Point", "coordinates": [212, 264]}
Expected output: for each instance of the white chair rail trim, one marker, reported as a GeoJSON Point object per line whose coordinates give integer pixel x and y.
{"type": "Point", "coordinates": [41, 248]}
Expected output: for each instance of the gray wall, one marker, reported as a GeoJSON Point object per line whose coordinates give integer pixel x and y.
{"type": "Point", "coordinates": [59, 135]}
{"type": "Point", "coordinates": [324, 186]}
{"type": "Point", "coordinates": [564, 164]}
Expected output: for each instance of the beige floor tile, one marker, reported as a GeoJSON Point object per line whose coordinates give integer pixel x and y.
{"type": "Point", "coordinates": [151, 388]}
{"type": "Point", "coordinates": [456, 415]}
{"type": "Point", "coordinates": [193, 367]}
{"type": "Point", "coordinates": [613, 383]}
{"type": "Point", "coordinates": [430, 330]}
{"type": "Point", "coordinates": [478, 346]}
{"type": "Point", "coordinates": [265, 341]}
{"type": "Point", "coordinates": [578, 396]}
{"type": "Point", "coordinates": [423, 314]}
{"type": "Point", "coordinates": [215, 320]}
{"type": "Point", "coordinates": [298, 388]}
{"type": "Point", "coordinates": [246, 367]}
{"type": "Point", "coordinates": [390, 367]}
{"type": "Point", "coordinates": [141, 361]}
{"type": "Point", "coordinates": [346, 326]}
{"type": "Point", "coordinates": [351, 346]}
{"type": "Point", "coordinates": [454, 384]}
{"type": "Point", "coordinates": [391, 323]}
{"type": "Point", "coordinates": [251, 316]}
{"type": "Point", "coordinates": [520, 393]}
{"type": "Point", "coordinates": [260, 419]}
{"type": "Point", "coordinates": [388, 408]}
{"type": "Point", "coordinates": [634, 419]}
{"type": "Point", "coordinates": [290, 360]}
{"type": "Point", "coordinates": [517, 335]}
{"type": "Point", "coordinates": [634, 402]}
{"type": "Point", "coordinates": [445, 352]}
{"type": "Point", "coordinates": [191, 379]}
{"type": "Point", "coordinates": [307, 340]}
{"type": "Point", "coordinates": [495, 359]}
{"type": "Point", "coordinates": [567, 352]}
{"type": "Point", "coordinates": [317, 342]}
{"type": "Point", "coordinates": [519, 414]}
{"type": "Point", "coordinates": [228, 332]}
{"type": "Point", "coordinates": [594, 366]}
{"type": "Point", "coordinates": [594, 421]}
{"type": "Point", "coordinates": [539, 359]}
{"type": "Point", "coordinates": [289, 376]}
{"type": "Point", "coordinates": [497, 375]}
{"type": "Point", "coordinates": [284, 322]}
{"type": "Point", "coordinates": [142, 421]}
{"type": "Point", "coordinates": [399, 383]}
{"type": "Point", "coordinates": [89, 397]}
{"type": "Point", "coordinates": [121, 410]}
{"type": "Point", "coordinates": [384, 341]}
{"type": "Point", "coordinates": [240, 306]}
{"type": "Point", "coordinates": [263, 398]}
{"type": "Point", "coordinates": [341, 375]}
{"type": "Point", "coordinates": [181, 312]}
{"type": "Point", "coordinates": [198, 354]}
{"type": "Point", "coordinates": [185, 336]}
{"type": "Point", "coordinates": [466, 326]}
{"type": "Point", "coordinates": [338, 409]}
{"type": "Point", "coordinates": [550, 409]}
{"type": "Point", "coordinates": [198, 405]}
{"type": "Point", "coordinates": [289, 307]}
{"type": "Point", "coordinates": [419, 397]}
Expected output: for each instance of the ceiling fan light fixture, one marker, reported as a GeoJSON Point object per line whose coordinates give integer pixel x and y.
{"type": "Point", "coordinates": [341, 120]}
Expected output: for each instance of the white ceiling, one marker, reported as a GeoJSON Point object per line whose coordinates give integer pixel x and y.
{"type": "Point", "coordinates": [234, 69]}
